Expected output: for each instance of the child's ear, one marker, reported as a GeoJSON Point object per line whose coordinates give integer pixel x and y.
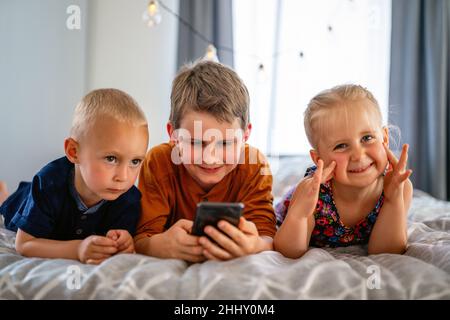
{"type": "Point", "coordinates": [247, 132]}
{"type": "Point", "coordinates": [170, 131]}
{"type": "Point", "coordinates": [386, 136]}
{"type": "Point", "coordinates": [314, 156]}
{"type": "Point", "coordinates": [71, 150]}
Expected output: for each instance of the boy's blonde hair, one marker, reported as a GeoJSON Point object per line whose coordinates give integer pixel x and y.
{"type": "Point", "coordinates": [341, 96]}
{"type": "Point", "coordinates": [210, 87]}
{"type": "Point", "coordinates": [105, 102]}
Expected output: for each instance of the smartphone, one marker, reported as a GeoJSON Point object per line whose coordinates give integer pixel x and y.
{"type": "Point", "coordinates": [210, 213]}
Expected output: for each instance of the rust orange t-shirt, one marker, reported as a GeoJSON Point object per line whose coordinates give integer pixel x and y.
{"type": "Point", "coordinates": [169, 193]}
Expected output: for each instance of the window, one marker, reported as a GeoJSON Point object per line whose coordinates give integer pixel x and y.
{"type": "Point", "coordinates": [287, 51]}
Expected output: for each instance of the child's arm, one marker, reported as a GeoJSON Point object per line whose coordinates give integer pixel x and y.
{"type": "Point", "coordinates": [93, 249]}
{"type": "Point", "coordinates": [174, 243]}
{"type": "Point", "coordinates": [292, 239]}
{"type": "Point", "coordinates": [389, 232]}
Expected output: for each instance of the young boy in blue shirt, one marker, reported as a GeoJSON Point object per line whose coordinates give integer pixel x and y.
{"type": "Point", "coordinates": [85, 206]}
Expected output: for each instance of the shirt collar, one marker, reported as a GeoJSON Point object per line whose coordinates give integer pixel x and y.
{"type": "Point", "coordinates": [76, 196]}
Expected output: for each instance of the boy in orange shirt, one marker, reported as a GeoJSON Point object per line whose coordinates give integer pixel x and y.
{"type": "Point", "coordinates": [207, 159]}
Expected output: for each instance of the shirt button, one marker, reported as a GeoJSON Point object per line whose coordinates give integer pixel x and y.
{"type": "Point", "coordinates": [84, 217]}
{"type": "Point", "coordinates": [79, 231]}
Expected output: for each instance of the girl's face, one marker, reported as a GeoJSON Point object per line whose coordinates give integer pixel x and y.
{"type": "Point", "coordinates": [353, 137]}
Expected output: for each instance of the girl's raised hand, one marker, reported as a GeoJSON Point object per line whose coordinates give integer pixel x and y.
{"type": "Point", "coordinates": [305, 197]}
{"type": "Point", "coordinates": [396, 174]}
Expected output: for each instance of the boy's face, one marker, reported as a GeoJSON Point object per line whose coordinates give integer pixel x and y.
{"type": "Point", "coordinates": [355, 142]}
{"type": "Point", "coordinates": [209, 149]}
{"type": "Point", "coordinates": [108, 159]}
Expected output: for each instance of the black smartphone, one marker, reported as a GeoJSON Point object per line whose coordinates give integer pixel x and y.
{"type": "Point", "coordinates": [210, 213]}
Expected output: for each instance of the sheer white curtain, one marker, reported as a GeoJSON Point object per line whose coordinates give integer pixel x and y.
{"type": "Point", "coordinates": [318, 44]}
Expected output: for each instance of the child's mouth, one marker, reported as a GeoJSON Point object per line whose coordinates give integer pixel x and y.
{"type": "Point", "coordinates": [360, 169]}
{"type": "Point", "coordinates": [210, 170]}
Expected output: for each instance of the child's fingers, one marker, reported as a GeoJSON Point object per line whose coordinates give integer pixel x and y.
{"type": "Point", "coordinates": [391, 156]}
{"type": "Point", "coordinates": [328, 172]}
{"type": "Point", "coordinates": [192, 258]}
{"type": "Point", "coordinates": [98, 255]}
{"type": "Point", "coordinates": [189, 240]}
{"type": "Point", "coordinates": [126, 244]}
{"type": "Point", "coordinates": [124, 237]}
{"type": "Point", "coordinates": [247, 227]}
{"type": "Point", "coordinates": [185, 224]}
{"type": "Point", "coordinates": [319, 171]}
{"type": "Point", "coordinates": [403, 158]}
{"type": "Point", "coordinates": [104, 249]}
{"type": "Point", "coordinates": [95, 261]}
{"type": "Point", "coordinates": [209, 256]}
{"type": "Point", "coordinates": [113, 234]}
{"type": "Point", "coordinates": [104, 241]}
{"type": "Point", "coordinates": [192, 250]}
{"type": "Point", "coordinates": [405, 175]}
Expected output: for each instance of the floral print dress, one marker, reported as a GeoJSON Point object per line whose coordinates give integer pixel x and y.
{"type": "Point", "coordinates": [329, 231]}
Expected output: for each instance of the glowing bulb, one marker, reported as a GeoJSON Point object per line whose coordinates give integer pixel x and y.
{"type": "Point", "coordinates": [151, 16]}
{"type": "Point", "coordinates": [211, 54]}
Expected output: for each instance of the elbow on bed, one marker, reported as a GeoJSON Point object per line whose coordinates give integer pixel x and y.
{"type": "Point", "coordinates": [21, 248]}
{"type": "Point", "coordinates": [400, 249]}
{"type": "Point", "coordinates": [292, 254]}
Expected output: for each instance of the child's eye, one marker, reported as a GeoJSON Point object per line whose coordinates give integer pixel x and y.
{"type": "Point", "coordinates": [340, 146]}
{"type": "Point", "coordinates": [367, 138]}
{"type": "Point", "coordinates": [136, 162]}
{"type": "Point", "coordinates": [196, 143]}
{"type": "Point", "coordinates": [227, 143]}
{"type": "Point", "coordinates": [111, 159]}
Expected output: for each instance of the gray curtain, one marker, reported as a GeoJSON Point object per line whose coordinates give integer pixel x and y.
{"type": "Point", "coordinates": [211, 22]}
{"type": "Point", "coordinates": [419, 97]}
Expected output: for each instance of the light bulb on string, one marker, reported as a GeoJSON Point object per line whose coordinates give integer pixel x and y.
{"type": "Point", "coordinates": [151, 15]}
{"type": "Point", "coordinates": [211, 54]}
{"type": "Point", "coordinates": [261, 76]}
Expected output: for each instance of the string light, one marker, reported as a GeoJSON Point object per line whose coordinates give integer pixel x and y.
{"type": "Point", "coordinates": [211, 54]}
{"type": "Point", "coordinates": [152, 16]}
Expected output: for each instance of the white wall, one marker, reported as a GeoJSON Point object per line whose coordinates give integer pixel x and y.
{"type": "Point", "coordinates": [45, 69]}
{"type": "Point", "coordinates": [125, 54]}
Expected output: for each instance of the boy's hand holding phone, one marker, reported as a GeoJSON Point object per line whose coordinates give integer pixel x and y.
{"type": "Point", "coordinates": [225, 234]}
{"type": "Point", "coordinates": [177, 243]}
{"type": "Point", "coordinates": [231, 241]}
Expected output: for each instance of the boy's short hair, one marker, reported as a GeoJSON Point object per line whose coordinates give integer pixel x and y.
{"type": "Point", "coordinates": [210, 87]}
{"type": "Point", "coordinates": [105, 102]}
{"type": "Point", "coordinates": [337, 96]}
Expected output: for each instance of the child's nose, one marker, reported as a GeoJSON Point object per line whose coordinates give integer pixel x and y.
{"type": "Point", "coordinates": [121, 173]}
{"type": "Point", "coordinates": [211, 156]}
{"type": "Point", "coordinates": [357, 153]}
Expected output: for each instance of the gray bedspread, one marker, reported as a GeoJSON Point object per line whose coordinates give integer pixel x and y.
{"type": "Point", "coordinates": [423, 272]}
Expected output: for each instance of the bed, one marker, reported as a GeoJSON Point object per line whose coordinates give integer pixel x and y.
{"type": "Point", "coordinates": [423, 272]}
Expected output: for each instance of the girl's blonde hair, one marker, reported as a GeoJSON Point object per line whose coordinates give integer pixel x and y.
{"type": "Point", "coordinates": [105, 102]}
{"type": "Point", "coordinates": [341, 96]}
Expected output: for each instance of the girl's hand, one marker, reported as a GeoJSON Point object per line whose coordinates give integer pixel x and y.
{"type": "Point", "coordinates": [96, 249]}
{"type": "Point", "coordinates": [232, 242]}
{"type": "Point", "coordinates": [305, 197]}
{"type": "Point", "coordinates": [396, 175]}
{"type": "Point", "coordinates": [124, 240]}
